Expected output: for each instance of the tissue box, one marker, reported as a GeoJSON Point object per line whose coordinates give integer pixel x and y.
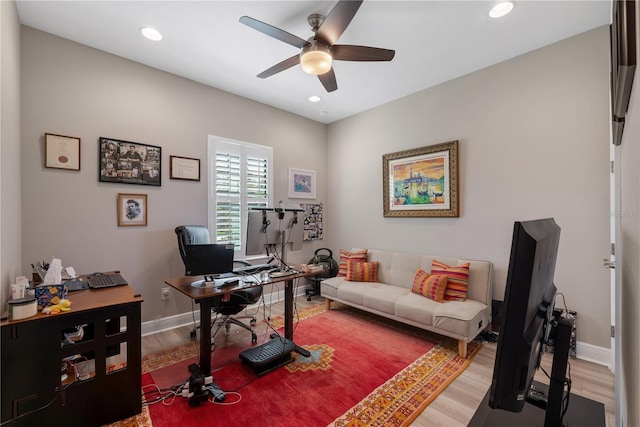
{"type": "Point", "coordinates": [45, 293]}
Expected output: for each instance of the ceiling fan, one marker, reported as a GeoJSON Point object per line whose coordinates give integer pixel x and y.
{"type": "Point", "coordinates": [319, 51]}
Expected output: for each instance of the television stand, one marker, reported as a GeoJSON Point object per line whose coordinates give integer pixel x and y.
{"type": "Point", "coordinates": [581, 412]}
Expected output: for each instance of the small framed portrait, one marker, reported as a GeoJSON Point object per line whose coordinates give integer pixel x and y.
{"type": "Point", "coordinates": [132, 210]}
{"type": "Point", "coordinates": [61, 152]}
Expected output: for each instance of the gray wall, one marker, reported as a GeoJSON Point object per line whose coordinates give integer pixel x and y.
{"type": "Point", "coordinates": [533, 143]}
{"type": "Point", "coordinates": [10, 201]}
{"type": "Point", "coordinates": [629, 217]}
{"type": "Point", "coordinates": [74, 90]}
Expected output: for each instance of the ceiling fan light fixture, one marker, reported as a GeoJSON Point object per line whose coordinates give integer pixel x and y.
{"type": "Point", "coordinates": [315, 58]}
{"type": "Point", "coordinates": [501, 9]}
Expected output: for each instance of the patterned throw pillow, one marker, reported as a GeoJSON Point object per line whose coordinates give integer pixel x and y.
{"type": "Point", "coordinates": [350, 256]}
{"type": "Point", "coordinates": [458, 279]}
{"type": "Point", "coordinates": [428, 285]}
{"type": "Point", "coordinates": [359, 271]}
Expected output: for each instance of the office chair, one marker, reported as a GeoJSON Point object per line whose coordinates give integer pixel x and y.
{"type": "Point", "coordinates": [238, 301]}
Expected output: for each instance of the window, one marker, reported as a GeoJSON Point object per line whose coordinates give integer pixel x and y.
{"type": "Point", "coordinates": [239, 179]}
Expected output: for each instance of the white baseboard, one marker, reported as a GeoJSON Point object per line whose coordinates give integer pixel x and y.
{"type": "Point", "coordinates": [184, 319]}
{"type": "Point", "coordinates": [593, 353]}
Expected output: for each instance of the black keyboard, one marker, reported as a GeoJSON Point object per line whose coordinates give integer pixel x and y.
{"type": "Point", "coordinates": [250, 269]}
{"type": "Point", "coordinates": [99, 280]}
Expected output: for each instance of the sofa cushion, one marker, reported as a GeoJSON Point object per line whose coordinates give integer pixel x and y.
{"type": "Point", "coordinates": [354, 292]}
{"type": "Point", "coordinates": [458, 279]}
{"type": "Point", "coordinates": [461, 318]}
{"type": "Point", "coordinates": [359, 255]}
{"type": "Point", "coordinates": [382, 297]}
{"type": "Point", "coordinates": [428, 285]}
{"type": "Point", "coordinates": [358, 271]}
{"type": "Point", "coordinates": [416, 308]}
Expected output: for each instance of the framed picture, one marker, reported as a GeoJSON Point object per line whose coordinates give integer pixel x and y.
{"type": "Point", "coordinates": [184, 168]}
{"type": "Point", "coordinates": [129, 162]}
{"type": "Point", "coordinates": [132, 209]}
{"type": "Point", "coordinates": [61, 152]}
{"type": "Point", "coordinates": [302, 184]}
{"type": "Point", "coordinates": [421, 181]}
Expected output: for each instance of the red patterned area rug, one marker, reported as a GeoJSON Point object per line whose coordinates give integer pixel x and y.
{"type": "Point", "coordinates": [363, 371]}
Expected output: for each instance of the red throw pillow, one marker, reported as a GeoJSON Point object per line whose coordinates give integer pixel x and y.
{"type": "Point", "coordinates": [358, 256]}
{"type": "Point", "coordinates": [428, 285]}
{"type": "Point", "coordinates": [458, 279]}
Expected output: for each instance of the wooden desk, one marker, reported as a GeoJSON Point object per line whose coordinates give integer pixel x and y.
{"type": "Point", "coordinates": [32, 357]}
{"type": "Point", "coordinates": [205, 296]}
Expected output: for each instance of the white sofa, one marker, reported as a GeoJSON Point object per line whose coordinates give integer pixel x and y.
{"type": "Point", "coordinates": [391, 295]}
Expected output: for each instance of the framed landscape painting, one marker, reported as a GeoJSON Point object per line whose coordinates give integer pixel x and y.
{"type": "Point", "coordinates": [421, 182]}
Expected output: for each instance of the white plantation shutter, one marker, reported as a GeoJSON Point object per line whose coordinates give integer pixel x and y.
{"type": "Point", "coordinates": [240, 180]}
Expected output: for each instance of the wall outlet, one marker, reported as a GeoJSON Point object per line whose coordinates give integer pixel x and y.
{"type": "Point", "coordinates": [165, 294]}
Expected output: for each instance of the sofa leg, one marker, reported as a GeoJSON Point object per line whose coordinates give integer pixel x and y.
{"type": "Point", "coordinates": [327, 303]}
{"type": "Point", "coordinates": [462, 348]}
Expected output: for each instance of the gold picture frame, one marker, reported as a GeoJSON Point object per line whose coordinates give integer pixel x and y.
{"type": "Point", "coordinates": [132, 210]}
{"type": "Point", "coordinates": [421, 182]}
{"type": "Point", "coordinates": [61, 152]}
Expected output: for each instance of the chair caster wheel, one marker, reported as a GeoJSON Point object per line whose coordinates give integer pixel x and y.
{"type": "Point", "coordinates": [309, 298]}
{"type": "Point", "coordinates": [254, 338]}
{"type": "Point", "coordinates": [253, 322]}
{"type": "Point", "coordinates": [192, 334]}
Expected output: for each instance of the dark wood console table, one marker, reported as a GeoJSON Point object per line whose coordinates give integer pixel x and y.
{"type": "Point", "coordinates": [103, 371]}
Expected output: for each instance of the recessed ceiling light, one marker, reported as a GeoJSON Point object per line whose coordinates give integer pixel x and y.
{"type": "Point", "coordinates": [314, 98]}
{"type": "Point", "coordinates": [323, 113]}
{"type": "Point", "coordinates": [501, 9]}
{"type": "Point", "coordinates": [151, 33]}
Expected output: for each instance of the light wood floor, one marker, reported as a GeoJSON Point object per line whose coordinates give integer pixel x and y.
{"type": "Point", "coordinates": [456, 405]}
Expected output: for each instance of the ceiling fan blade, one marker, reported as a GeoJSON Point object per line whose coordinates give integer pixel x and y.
{"type": "Point", "coordinates": [345, 52]}
{"type": "Point", "coordinates": [281, 66]}
{"type": "Point", "coordinates": [328, 80]}
{"type": "Point", "coordinates": [337, 21]}
{"type": "Point", "coordinates": [274, 32]}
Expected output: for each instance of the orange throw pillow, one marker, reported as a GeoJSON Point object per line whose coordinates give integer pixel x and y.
{"type": "Point", "coordinates": [428, 285]}
{"type": "Point", "coordinates": [458, 279]}
{"type": "Point", "coordinates": [362, 271]}
{"type": "Point", "coordinates": [346, 256]}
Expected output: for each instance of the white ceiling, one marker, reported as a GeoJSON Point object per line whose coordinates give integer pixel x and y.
{"type": "Point", "coordinates": [435, 41]}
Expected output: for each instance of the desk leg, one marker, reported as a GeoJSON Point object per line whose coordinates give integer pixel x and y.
{"type": "Point", "coordinates": [288, 316]}
{"type": "Point", "coordinates": [205, 336]}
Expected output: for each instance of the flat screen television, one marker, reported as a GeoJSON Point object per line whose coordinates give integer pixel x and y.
{"type": "Point", "coordinates": [269, 231]}
{"type": "Point", "coordinates": [527, 318]}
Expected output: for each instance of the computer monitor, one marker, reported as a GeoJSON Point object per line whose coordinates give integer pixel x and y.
{"type": "Point", "coordinates": [210, 259]}
{"type": "Point", "coordinates": [271, 230]}
{"type": "Point", "coordinates": [527, 313]}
